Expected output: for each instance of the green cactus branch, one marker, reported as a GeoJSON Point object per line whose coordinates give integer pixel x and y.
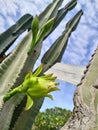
{"type": "Point", "coordinates": [50, 11]}
{"type": "Point", "coordinates": [62, 13]}
{"type": "Point", "coordinates": [9, 36]}
{"type": "Point", "coordinates": [55, 52]}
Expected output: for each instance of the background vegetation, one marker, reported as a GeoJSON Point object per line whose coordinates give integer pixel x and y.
{"type": "Point", "coordinates": [51, 119]}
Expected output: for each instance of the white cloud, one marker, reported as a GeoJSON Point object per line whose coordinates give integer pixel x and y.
{"type": "Point", "coordinates": [1, 24]}
{"type": "Point", "coordinates": [26, 7]}
{"type": "Point", "coordinates": [8, 7]}
{"type": "Point", "coordinates": [90, 10]}
{"type": "Point", "coordinates": [12, 10]}
{"type": "Point", "coordinates": [10, 21]}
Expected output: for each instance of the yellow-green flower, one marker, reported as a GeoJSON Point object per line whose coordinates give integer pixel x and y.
{"type": "Point", "coordinates": [35, 86]}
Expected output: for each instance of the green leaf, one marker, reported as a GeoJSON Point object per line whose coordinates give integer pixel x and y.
{"type": "Point", "coordinates": [35, 28]}
{"type": "Point", "coordinates": [29, 103]}
{"type": "Point", "coordinates": [45, 30]}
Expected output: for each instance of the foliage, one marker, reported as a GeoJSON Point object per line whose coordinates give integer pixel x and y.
{"type": "Point", "coordinates": [51, 119]}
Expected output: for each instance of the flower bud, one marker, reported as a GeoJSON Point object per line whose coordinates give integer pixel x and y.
{"type": "Point", "coordinates": [35, 86]}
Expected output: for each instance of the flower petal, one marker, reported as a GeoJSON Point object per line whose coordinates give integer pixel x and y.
{"type": "Point", "coordinates": [49, 96]}
{"type": "Point", "coordinates": [49, 77]}
{"type": "Point", "coordinates": [29, 103]}
{"type": "Point", "coordinates": [28, 75]}
{"type": "Point", "coordinates": [50, 89]}
{"type": "Point", "coordinates": [38, 71]}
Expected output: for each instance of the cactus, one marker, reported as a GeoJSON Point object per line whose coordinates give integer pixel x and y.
{"type": "Point", "coordinates": [85, 114]}
{"type": "Point", "coordinates": [9, 36]}
{"type": "Point", "coordinates": [15, 67]}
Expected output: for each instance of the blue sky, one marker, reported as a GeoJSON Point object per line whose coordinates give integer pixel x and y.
{"type": "Point", "coordinates": [81, 44]}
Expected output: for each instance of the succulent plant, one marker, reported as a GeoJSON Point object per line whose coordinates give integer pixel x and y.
{"type": "Point", "coordinates": [14, 68]}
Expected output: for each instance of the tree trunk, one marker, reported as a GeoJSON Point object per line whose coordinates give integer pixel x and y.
{"type": "Point", "coordinates": [85, 112]}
